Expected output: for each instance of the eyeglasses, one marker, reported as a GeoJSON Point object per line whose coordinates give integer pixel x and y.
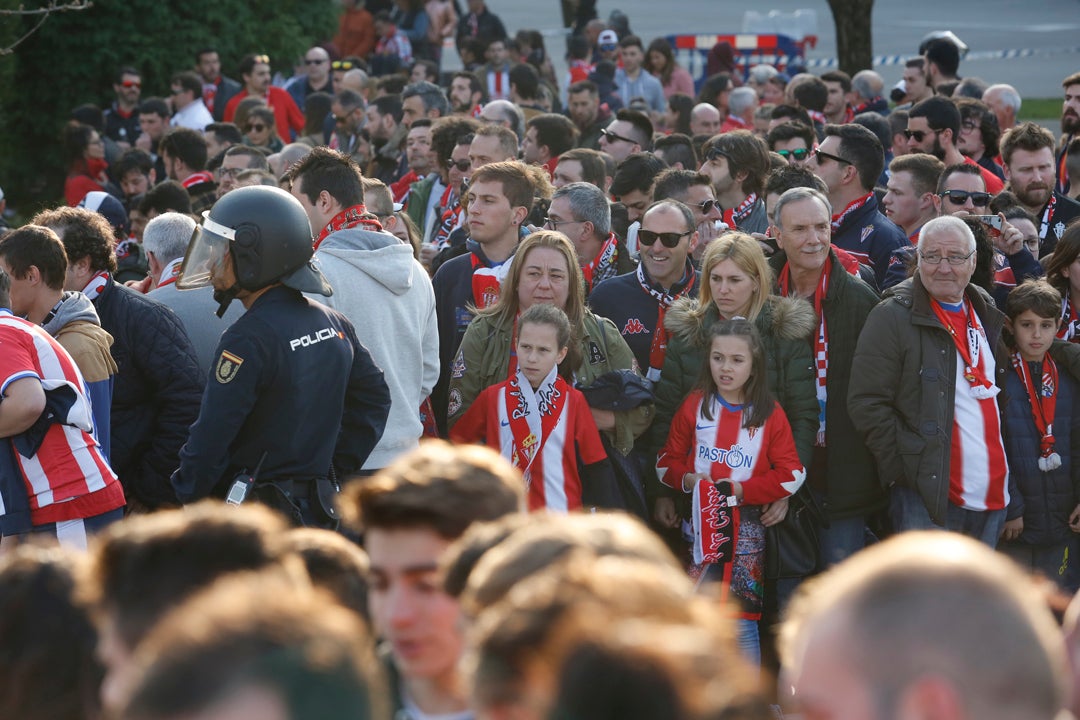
{"type": "Point", "coordinates": [959, 197]}
{"type": "Point", "coordinates": [918, 135]}
{"type": "Point", "coordinates": [255, 127]}
{"type": "Point", "coordinates": [969, 125]}
{"type": "Point", "coordinates": [612, 137]}
{"type": "Point", "coordinates": [554, 224]}
{"type": "Point", "coordinates": [707, 206]}
{"type": "Point", "coordinates": [178, 91]}
{"type": "Point", "coordinates": [229, 172]}
{"type": "Point", "coordinates": [800, 154]}
{"type": "Point", "coordinates": [462, 165]}
{"type": "Point", "coordinates": [830, 156]}
{"type": "Point", "coordinates": [669, 239]}
{"type": "Point", "coordinates": [951, 259]}
{"type": "Point", "coordinates": [131, 84]}
{"type": "Point", "coordinates": [314, 62]}
{"type": "Point", "coordinates": [264, 59]}
{"type": "Point", "coordinates": [342, 65]}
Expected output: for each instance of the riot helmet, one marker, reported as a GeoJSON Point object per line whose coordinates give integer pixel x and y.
{"type": "Point", "coordinates": [268, 235]}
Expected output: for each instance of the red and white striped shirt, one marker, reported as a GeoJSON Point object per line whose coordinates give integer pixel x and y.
{"type": "Point", "coordinates": [67, 478]}
{"type": "Point", "coordinates": [978, 470]}
{"type": "Point", "coordinates": [762, 459]}
{"type": "Point", "coordinates": [556, 485]}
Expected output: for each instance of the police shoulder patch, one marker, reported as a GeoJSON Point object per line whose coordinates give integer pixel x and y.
{"type": "Point", "coordinates": [227, 367]}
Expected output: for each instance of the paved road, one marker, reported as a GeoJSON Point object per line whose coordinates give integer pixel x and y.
{"type": "Point", "coordinates": [985, 25]}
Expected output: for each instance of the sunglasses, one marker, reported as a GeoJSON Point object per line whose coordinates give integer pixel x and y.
{"type": "Point", "coordinates": [256, 127]}
{"type": "Point", "coordinates": [799, 154]}
{"type": "Point", "coordinates": [461, 165]}
{"type": "Point", "coordinates": [918, 135]}
{"type": "Point", "coordinates": [131, 84]}
{"type": "Point", "coordinates": [669, 239]}
{"type": "Point", "coordinates": [830, 156]}
{"type": "Point", "coordinates": [612, 137]}
{"type": "Point", "coordinates": [707, 206]}
{"type": "Point", "coordinates": [608, 48]}
{"type": "Point", "coordinates": [342, 65]}
{"type": "Point", "coordinates": [314, 62]}
{"type": "Point", "coordinates": [264, 59]}
{"type": "Point", "coordinates": [716, 154]}
{"type": "Point", "coordinates": [959, 197]}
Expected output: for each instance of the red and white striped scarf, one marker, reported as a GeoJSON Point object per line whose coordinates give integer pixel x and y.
{"type": "Point", "coordinates": [603, 266]}
{"type": "Point", "coordinates": [487, 281]}
{"type": "Point", "coordinates": [1070, 321]}
{"type": "Point", "coordinates": [96, 285]}
{"type": "Point", "coordinates": [1043, 402]}
{"type": "Point", "coordinates": [968, 336]}
{"type": "Point", "coordinates": [350, 217]}
{"type": "Point", "coordinates": [197, 178]}
{"type": "Point", "coordinates": [170, 273]}
{"type": "Point", "coordinates": [664, 300]}
{"type": "Point", "coordinates": [854, 205]}
{"type": "Point", "coordinates": [532, 416]}
{"type": "Point", "coordinates": [736, 215]}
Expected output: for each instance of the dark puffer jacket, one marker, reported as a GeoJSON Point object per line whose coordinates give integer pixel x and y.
{"type": "Point", "coordinates": [1044, 499]}
{"type": "Point", "coordinates": [157, 393]}
{"type": "Point", "coordinates": [785, 325]}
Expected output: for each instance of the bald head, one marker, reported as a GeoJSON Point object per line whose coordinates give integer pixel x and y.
{"type": "Point", "coordinates": [705, 119]}
{"type": "Point", "coordinates": [926, 620]}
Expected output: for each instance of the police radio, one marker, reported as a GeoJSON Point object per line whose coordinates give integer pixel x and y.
{"type": "Point", "coordinates": [242, 485]}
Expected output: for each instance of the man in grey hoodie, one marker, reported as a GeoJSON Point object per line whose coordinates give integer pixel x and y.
{"type": "Point", "coordinates": [378, 285]}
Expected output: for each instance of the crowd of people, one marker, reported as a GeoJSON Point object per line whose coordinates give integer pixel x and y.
{"type": "Point", "coordinates": [717, 336]}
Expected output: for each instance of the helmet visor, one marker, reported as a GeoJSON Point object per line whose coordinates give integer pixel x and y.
{"type": "Point", "coordinates": [205, 255]}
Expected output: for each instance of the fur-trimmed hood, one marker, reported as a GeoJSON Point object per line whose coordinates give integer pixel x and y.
{"type": "Point", "coordinates": [784, 318]}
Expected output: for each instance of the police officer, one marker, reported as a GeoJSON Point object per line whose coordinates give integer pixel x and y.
{"type": "Point", "coordinates": [293, 399]}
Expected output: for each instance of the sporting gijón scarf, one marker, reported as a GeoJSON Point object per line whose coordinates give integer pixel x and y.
{"type": "Point", "coordinates": [736, 215]}
{"type": "Point", "coordinates": [1070, 321]}
{"type": "Point", "coordinates": [487, 281]}
{"type": "Point", "coordinates": [664, 300]}
{"type": "Point", "coordinates": [603, 266]}
{"type": "Point", "coordinates": [1043, 405]}
{"type": "Point", "coordinates": [968, 347]}
{"type": "Point", "coordinates": [854, 205]}
{"type": "Point", "coordinates": [350, 217]}
{"type": "Point", "coordinates": [532, 416]}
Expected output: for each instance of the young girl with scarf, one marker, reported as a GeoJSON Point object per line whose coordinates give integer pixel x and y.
{"type": "Point", "coordinates": [731, 447]}
{"type": "Point", "coordinates": [541, 423]}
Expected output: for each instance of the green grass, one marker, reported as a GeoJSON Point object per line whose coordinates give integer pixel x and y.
{"type": "Point", "coordinates": [1040, 108]}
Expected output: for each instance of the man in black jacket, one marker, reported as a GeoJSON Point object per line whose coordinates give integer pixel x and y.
{"type": "Point", "coordinates": [158, 382]}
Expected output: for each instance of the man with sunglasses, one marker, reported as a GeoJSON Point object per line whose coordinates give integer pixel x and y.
{"type": "Point", "coordinates": [923, 393]}
{"type": "Point", "coordinates": [188, 108]}
{"type": "Point", "coordinates": [934, 127]}
{"type": "Point", "coordinates": [1027, 152]}
{"type": "Point", "coordinates": [121, 120]}
{"type": "Point", "coordinates": [850, 160]}
{"type": "Point", "coordinates": [255, 70]}
{"type": "Point", "coordinates": [694, 190]}
{"type": "Point", "coordinates": [630, 132]}
{"type": "Point", "coordinates": [793, 141]}
{"type": "Point", "coordinates": [315, 79]}
{"type": "Point", "coordinates": [637, 299]}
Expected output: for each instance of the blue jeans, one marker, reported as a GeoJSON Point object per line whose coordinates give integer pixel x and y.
{"type": "Point", "coordinates": [908, 512]}
{"type": "Point", "coordinates": [748, 640]}
{"type": "Point", "coordinates": [842, 539]}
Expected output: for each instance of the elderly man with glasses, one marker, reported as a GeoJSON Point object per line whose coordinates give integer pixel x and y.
{"type": "Point", "coordinates": [923, 392]}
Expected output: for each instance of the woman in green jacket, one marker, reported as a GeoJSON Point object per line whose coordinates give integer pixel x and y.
{"type": "Point", "coordinates": [545, 270]}
{"type": "Point", "coordinates": [736, 282]}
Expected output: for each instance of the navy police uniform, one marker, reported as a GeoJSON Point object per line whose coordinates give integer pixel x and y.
{"type": "Point", "coordinates": [292, 390]}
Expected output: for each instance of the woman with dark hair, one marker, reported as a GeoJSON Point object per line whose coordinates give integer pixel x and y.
{"type": "Point", "coordinates": [316, 108]}
{"type": "Point", "coordinates": [715, 91]}
{"type": "Point", "coordinates": [84, 151]}
{"type": "Point", "coordinates": [677, 117]}
{"type": "Point", "coordinates": [660, 62]}
{"type": "Point", "coordinates": [1063, 272]}
{"type": "Point", "coordinates": [261, 132]}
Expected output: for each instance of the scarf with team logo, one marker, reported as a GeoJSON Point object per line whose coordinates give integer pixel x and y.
{"type": "Point", "coordinates": [96, 285]}
{"type": "Point", "coordinates": [838, 220]}
{"type": "Point", "coordinates": [170, 273]}
{"type": "Point", "coordinates": [968, 347]}
{"type": "Point", "coordinates": [487, 281]}
{"type": "Point", "coordinates": [350, 217]}
{"type": "Point", "coordinates": [604, 265]}
{"type": "Point", "coordinates": [1048, 216]}
{"type": "Point", "coordinates": [1070, 321]}
{"type": "Point", "coordinates": [664, 300]}
{"type": "Point", "coordinates": [451, 219]}
{"type": "Point", "coordinates": [1043, 400]}
{"type": "Point", "coordinates": [532, 417]}
{"type": "Point", "coordinates": [716, 524]}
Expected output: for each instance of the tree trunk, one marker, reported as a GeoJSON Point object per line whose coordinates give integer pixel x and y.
{"type": "Point", "coordinates": [854, 36]}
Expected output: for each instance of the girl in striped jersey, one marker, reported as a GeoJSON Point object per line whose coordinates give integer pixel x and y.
{"type": "Point", "coordinates": [541, 423]}
{"type": "Point", "coordinates": [730, 445]}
